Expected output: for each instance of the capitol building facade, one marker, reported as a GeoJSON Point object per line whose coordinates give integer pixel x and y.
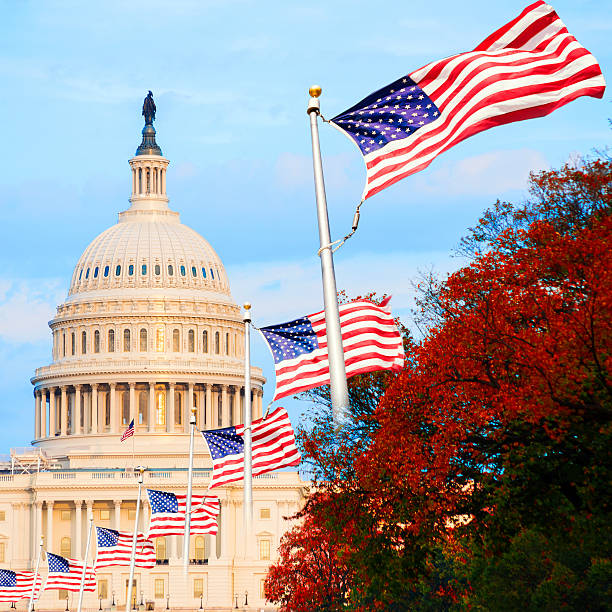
{"type": "Point", "coordinates": [148, 331]}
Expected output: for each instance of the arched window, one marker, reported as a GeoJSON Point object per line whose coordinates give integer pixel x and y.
{"type": "Point", "coordinates": [219, 410]}
{"type": "Point", "coordinates": [84, 342]}
{"type": "Point", "coordinates": [117, 270]}
{"type": "Point", "coordinates": [111, 340]}
{"type": "Point", "coordinates": [97, 341]}
{"type": "Point", "coordinates": [191, 341]}
{"type": "Point", "coordinates": [183, 271]}
{"type": "Point", "coordinates": [143, 340]}
{"type": "Point", "coordinates": [203, 272]}
{"type": "Point", "coordinates": [157, 269]}
{"type": "Point", "coordinates": [170, 270]}
{"type": "Point", "coordinates": [96, 270]}
{"type": "Point", "coordinates": [125, 407]}
{"type": "Point", "coordinates": [63, 344]}
{"type": "Point", "coordinates": [178, 407]}
{"type": "Point", "coordinates": [106, 269]}
{"type": "Point", "coordinates": [194, 272]}
{"type": "Point", "coordinates": [160, 408]}
{"type": "Point", "coordinates": [200, 548]}
{"type": "Point", "coordinates": [227, 344]}
{"type": "Point", "coordinates": [131, 270]}
{"type": "Point", "coordinates": [217, 343]}
{"type": "Point", "coordinates": [160, 549]}
{"type": "Point", "coordinates": [126, 340]}
{"type": "Point", "coordinates": [143, 401]}
{"type": "Point", "coordinates": [144, 269]}
{"type": "Point", "coordinates": [87, 274]}
{"type": "Point", "coordinates": [205, 341]}
{"type": "Point", "coordinates": [176, 340]}
{"type": "Point", "coordinates": [65, 547]}
{"type": "Point", "coordinates": [139, 180]}
{"type": "Point", "coordinates": [107, 409]}
{"type": "Point", "coordinates": [73, 343]}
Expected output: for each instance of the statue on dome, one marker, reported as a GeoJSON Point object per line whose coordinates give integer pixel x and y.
{"type": "Point", "coordinates": [148, 109]}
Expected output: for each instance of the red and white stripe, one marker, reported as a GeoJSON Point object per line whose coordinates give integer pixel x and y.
{"type": "Point", "coordinates": [204, 513]}
{"type": "Point", "coordinates": [72, 581]}
{"type": "Point", "coordinates": [22, 588]}
{"type": "Point", "coordinates": [526, 69]}
{"type": "Point", "coordinates": [370, 339]}
{"type": "Point", "coordinates": [273, 448]}
{"type": "Point", "coordinates": [121, 553]}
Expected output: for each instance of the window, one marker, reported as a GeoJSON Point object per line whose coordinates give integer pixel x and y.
{"type": "Point", "coordinates": [125, 407]}
{"type": "Point", "coordinates": [131, 269]}
{"type": "Point", "coordinates": [111, 340]}
{"type": "Point", "coordinates": [159, 587]}
{"type": "Point", "coordinates": [65, 547]}
{"type": "Point", "coordinates": [217, 343]}
{"type": "Point", "coordinates": [176, 340]}
{"type": "Point", "coordinates": [157, 269]}
{"type": "Point", "coordinates": [262, 589]}
{"type": "Point", "coordinates": [203, 272]}
{"type": "Point", "coordinates": [65, 515]}
{"type": "Point", "coordinates": [107, 410]}
{"type": "Point", "coordinates": [219, 410]}
{"type": "Point", "coordinates": [198, 587]}
{"type": "Point", "coordinates": [178, 407]}
{"type": "Point", "coordinates": [96, 270]}
{"type": "Point", "coordinates": [73, 343]}
{"type": "Point", "coordinates": [63, 344]}
{"type": "Point", "coordinates": [143, 270]}
{"type": "Point", "coordinates": [126, 340]}
{"type": "Point", "coordinates": [106, 269]}
{"type": "Point", "coordinates": [83, 343]}
{"type": "Point", "coordinates": [170, 270]}
{"type": "Point", "coordinates": [143, 400]}
{"type": "Point", "coordinates": [97, 341]}
{"type": "Point", "coordinates": [227, 344]}
{"type": "Point", "coordinates": [160, 549]}
{"type": "Point", "coordinates": [183, 271]}
{"type": "Point", "coordinates": [200, 549]}
{"type": "Point", "coordinates": [264, 513]}
{"type": "Point", "coordinates": [205, 342]}
{"type": "Point", "coordinates": [2, 552]}
{"type": "Point", "coordinates": [191, 341]}
{"type": "Point", "coordinates": [160, 408]}
{"type": "Point", "coordinates": [117, 270]}
{"type": "Point", "coordinates": [2, 515]}
{"type": "Point", "coordinates": [264, 550]}
{"type": "Point", "coordinates": [87, 273]}
{"type": "Point", "coordinates": [212, 274]}
{"type": "Point", "coordinates": [160, 340]}
{"type": "Point", "coordinates": [102, 589]}
{"type": "Point", "coordinates": [104, 514]}
{"type": "Point", "coordinates": [143, 340]}
{"type": "Point", "coordinates": [194, 272]}
{"type": "Point", "coordinates": [80, 273]}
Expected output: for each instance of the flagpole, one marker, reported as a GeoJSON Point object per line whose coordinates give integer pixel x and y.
{"type": "Point", "coordinates": [31, 603]}
{"type": "Point", "coordinates": [134, 541]}
{"type": "Point", "coordinates": [82, 588]}
{"type": "Point", "coordinates": [248, 437]}
{"type": "Point", "coordinates": [335, 350]}
{"type": "Point", "coordinates": [192, 424]}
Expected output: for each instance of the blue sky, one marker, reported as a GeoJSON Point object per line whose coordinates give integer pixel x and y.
{"type": "Point", "coordinates": [230, 81]}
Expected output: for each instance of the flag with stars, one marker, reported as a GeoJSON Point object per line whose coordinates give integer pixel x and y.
{"type": "Point", "coordinates": [168, 514]}
{"type": "Point", "coordinates": [18, 585]}
{"type": "Point", "coordinates": [115, 548]}
{"type": "Point", "coordinates": [66, 574]}
{"type": "Point", "coordinates": [370, 339]}
{"type": "Point", "coordinates": [129, 432]}
{"type": "Point", "coordinates": [526, 69]}
{"type": "Point", "coordinates": [273, 445]}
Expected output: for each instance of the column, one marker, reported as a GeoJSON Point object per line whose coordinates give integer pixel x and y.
{"type": "Point", "coordinates": [78, 527]}
{"type": "Point", "coordinates": [77, 423]}
{"type": "Point", "coordinates": [208, 407]}
{"type": "Point", "coordinates": [52, 419]}
{"type": "Point", "coordinates": [49, 540]}
{"type": "Point", "coordinates": [117, 517]}
{"type": "Point", "coordinates": [43, 413]}
{"type": "Point", "coordinates": [94, 408]}
{"type": "Point", "coordinates": [37, 415]}
{"type": "Point", "coordinates": [170, 408]}
{"type": "Point", "coordinates": [224, 406]}
{"type": "Point", "coordinates": [37, 531]}
{"type": "Point", "coordinates": [133, 404]}
{"type": "Point", "coordinates": [188, 407]}
{"type": "Point", "coordinates": [259, 403]}
{"type": "Point", "coordinates": [63, 412]}
{"type": "Point", "coordinates": [113, 407]}
{"type": "Point", "coordinates": [151, 406]}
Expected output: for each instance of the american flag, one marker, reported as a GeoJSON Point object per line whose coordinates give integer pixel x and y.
{"type": "Point", "coordinates": [115, 548]}
{"type": "Point", "coordinates": [129, 432]}
{"type": "Point", "coordinates": [18, 585]}
{"type": "Point", "coordinates": [66, 574]}
{"type": "Point", "coordinates": [273, 448]}
{"type": "Point", "coordinates": [370, 338]}
{"type": "Point", "coordinates": [168, 514]}
{"type": "Point", "coordinates": [526, 69]}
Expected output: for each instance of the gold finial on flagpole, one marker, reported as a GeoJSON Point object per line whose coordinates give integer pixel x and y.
{"type": "Point", "coordinates": [247, 305]}
{"type": "Point", "coordinates": [315, 91]}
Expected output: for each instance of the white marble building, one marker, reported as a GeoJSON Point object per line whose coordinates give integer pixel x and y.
{"type": "Point", "coordinates": [148, 329]}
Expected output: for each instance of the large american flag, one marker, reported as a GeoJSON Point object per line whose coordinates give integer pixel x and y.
{"type": "Point", "coordinates": [168, 514]}
{"type": "Point", "coordinates": [273, 448]}
{"type": "Point", "coordinates": [370, 339]}
{"type": "Point", "coordinates": [66, 574]}
{"type": "Point", "coordinates": [18, 585]}
{"type": "Point", "coordinates": [115, 548]}
{"type": "Point", "coordinates": [526, 69]}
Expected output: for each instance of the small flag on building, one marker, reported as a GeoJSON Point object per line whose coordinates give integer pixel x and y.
{"type": "Point", "coordinates": [370, 339]}
{"type": "Point", "coordinates": [66, 574]}
{"type": "Point", "coordinates": [168, 514]}
{"type": "Point", "coordinates": [115, 548]}
{"type": "Point", "coordinates": [129, 432]}
{"type": "Point", "coordinates": [526, 69]}
{"type": "Point", "coordinates": [18, 585]}
{"type": "Point", "coordinates": [273, 448]}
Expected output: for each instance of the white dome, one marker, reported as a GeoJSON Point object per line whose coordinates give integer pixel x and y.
{"type": "Point", "coordinates": [148, 251]}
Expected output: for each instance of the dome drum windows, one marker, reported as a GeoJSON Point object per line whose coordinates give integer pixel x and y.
{"type": "Point", "coordinates": [143, 270]}
{"type": "Point", "coordinates": [111, 340]}
{"type": "Point", "coordinates": [97, 341]}
{"type": "Point", "coordinates": [183, 271]}
{"type": "Point", "coordinates": [126, 340]}
{"type": "Point", "coordinates": [118, 270]}
{"type": "Point", "coordinates": [217, 343]}
{"type": "Point", "coordinates": [205, 341]}
{"type": "Point", "coordinates": [191, 341]}
{"type": "Point", "coordinates": [143, 340]}
{"type": "Point", "coordinates": [106, 271]}
{"type": "Point", "coordinates": [84, 343]}
{"type": "Point", "coordinates": [176, 340]}
{"type": "Point", "coordinates": [170, 270]}
{"type": "Point", "coordinates": [157, 269]}
{"type": "Point", "coordinates": [96, 270]}
{"type": "Point", "coordinates": [131, 270]}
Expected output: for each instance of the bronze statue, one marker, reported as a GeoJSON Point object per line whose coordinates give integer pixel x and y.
{"type": "Point", "coordinates": [148, 109]}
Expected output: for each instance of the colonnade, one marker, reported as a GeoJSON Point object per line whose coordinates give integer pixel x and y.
{"type": "Point", "coordinates": [98, 408]}
{"type": "Point", "coordinates": [148, 179]}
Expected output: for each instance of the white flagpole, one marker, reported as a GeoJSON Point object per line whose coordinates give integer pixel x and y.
{"type": "Point", "coordinates": [335, 350]}
{"type": "Point", "coordinates": [31, 603]}
{"type": "Point", "coordinates": [128, 604]}
{"type": "Point", "coordinates": [192, 424]}
{"type": "Point", "coordinates": [248, 437]}
{"type": "Point", "coordinates": [82, 588]}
